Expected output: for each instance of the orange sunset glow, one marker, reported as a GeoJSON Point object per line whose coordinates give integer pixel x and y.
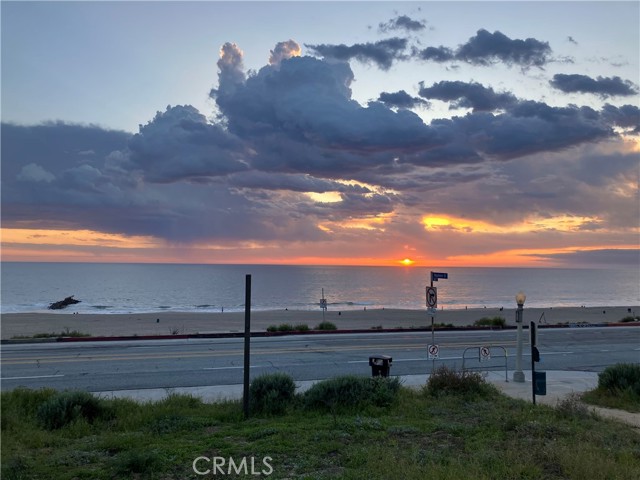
{"type": "Point", "coordinates": [90, 246]}
{"type": "Point", "coordinates": [308, 142]}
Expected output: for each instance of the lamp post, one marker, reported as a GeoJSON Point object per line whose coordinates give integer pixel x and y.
{"type": "Point", "coordinates": [518, 374]}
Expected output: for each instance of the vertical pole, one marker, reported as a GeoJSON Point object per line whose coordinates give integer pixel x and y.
{"type": "Point", "coordinates": [247, 344]}
{"type": "Point", "coordinates": [532, 330]}
{"type": "Point", "coordinates": [433, 333]}
{"type": "Point", "coordinates": [323, 305]}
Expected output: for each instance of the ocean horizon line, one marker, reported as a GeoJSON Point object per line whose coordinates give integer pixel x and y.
{"type": "Point", "coordinates": [318, 265]}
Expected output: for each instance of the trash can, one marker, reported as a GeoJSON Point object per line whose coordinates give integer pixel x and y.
{"type": "Point", "coordinates": [380, 365]}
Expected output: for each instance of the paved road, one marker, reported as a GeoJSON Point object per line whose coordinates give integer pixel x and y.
{"type": "Point", "coordinates": [102, 366]}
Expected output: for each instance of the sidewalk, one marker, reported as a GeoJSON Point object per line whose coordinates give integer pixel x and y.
{"type": "Point", "coordinates": [560, 384]}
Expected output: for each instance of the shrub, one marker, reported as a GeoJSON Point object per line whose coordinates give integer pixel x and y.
{"type": "Point", "coordinates": [24, 401]}
{"type": "Point", "coordinates": [448, 381]}
{"type": "Point", "coordinates": [63, 408]}
{"type": "Point", "coordinates": [272, 328]}
{"type": "Point", "coordinates": [285, 327]}
{"type": "Point", "coordinates": [271, 393]}
{"type": "Point", "coordinates": [351, 391]}
{"type": "Point", "coordinates": [491, 322]}
{"type": "Point", "coordinates": [138, 462]}
{"type": "Point", "coordinates": [301, 327]}
{"type": "Point", "coordinates": [326, 326]}
{"type": "Point", "coordinates": [630, 318]}
{"type": "Point", "coordinates": [572, 407]}
{"type": "Point", "coordinates": [620, 378]}
{"type": "Point", "coordinates": [16, 468]}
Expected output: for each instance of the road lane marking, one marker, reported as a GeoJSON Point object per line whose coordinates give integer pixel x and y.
{"type": "Point", "coordinates": [31, 378]}
{"type": "Point", "coordinates": [146, 356]}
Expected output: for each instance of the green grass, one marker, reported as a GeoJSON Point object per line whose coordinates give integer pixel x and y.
{"type": "Point", "coordinates": [415, 437]}
{"type": "Point", "coordinates": [618, 387]}
{"type": "Point", "coordinates": [326, 325]}
{"type": "Point", "coordinates": [490, 322]}
{"type": "Point", "coordinates": [65, 333]}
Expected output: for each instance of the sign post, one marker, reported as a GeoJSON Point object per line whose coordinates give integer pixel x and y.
{"type": "Point", "coordinates": [432, 309]}
{"type": "Point", "coordinates": [538, 379]}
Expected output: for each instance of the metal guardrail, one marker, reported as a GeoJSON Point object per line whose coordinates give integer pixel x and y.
{"type": "Point", "coordinates": [484, 355]}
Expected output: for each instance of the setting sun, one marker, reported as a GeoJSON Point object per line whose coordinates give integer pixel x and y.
{"type": "Point", "coordinates": [406, 262]}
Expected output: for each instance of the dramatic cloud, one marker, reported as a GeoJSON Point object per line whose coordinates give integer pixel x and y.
{"type": "Point", "coordinates": [305, 107]}
{"type": "Point", "coordinates": [382, 53]}
{"type": "Point", "coordinates": [489, 48]}
{"type": "Point", "coordinates": [602, 86]}
{"type": "Point", "coordinates": [291, 157]}
{"type": "Point", "coordinates": [468, 95]}
{"type": "Point", "coordinates": [231, 67]}
{"type": "Point", "coordinates": [283, 51]}
{"type": "Point", "coordinates": [530, 127]}
{"type": "Point", "coordinates": [179, 144]}
{"type": "Point", "coordinates": [403, 22]}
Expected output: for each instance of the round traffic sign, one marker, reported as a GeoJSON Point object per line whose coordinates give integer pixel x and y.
{"type": "Point", "coordinates": [432, 297]}
{"type": "Point", "coordinates": [485, 353]}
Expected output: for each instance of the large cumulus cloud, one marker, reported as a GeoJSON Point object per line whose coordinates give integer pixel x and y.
{"type": "Point", "coordinates": [292, 128]}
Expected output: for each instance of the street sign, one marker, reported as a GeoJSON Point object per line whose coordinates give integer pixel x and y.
{"type": "Point", "coordinates": [323, 303]}
{"type": "Point", "coordinates": [485, 354]}
{"type": "Point", "coordinates": [435, 276]}
{"type": "Point", "coordinates": [434, 351]}
{"type": "Point", "coordinates": [432, 297]}
{"type": "Point", "coordinates": [432, 311]}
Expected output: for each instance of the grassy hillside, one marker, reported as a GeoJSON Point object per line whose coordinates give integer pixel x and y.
{"type": "Point", "coordinates": [435, 434]}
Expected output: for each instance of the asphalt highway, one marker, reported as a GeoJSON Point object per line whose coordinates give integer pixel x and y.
{"type": "Point", "coordinates": [123, 365]}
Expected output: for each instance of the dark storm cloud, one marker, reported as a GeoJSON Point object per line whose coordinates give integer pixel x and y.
{"type": "Point", "coordinates": [292, 128]}
{"type": "Point", "coordinates": [468, 95]}
{"type": "Point", "coordinates": [48, 182]}
{"type": "Point", "coordinates": [401, 99]}
{"type": "Point", "coordinates": [602, 86]}
{"type": "Point", "coordinates": [305, 111]}
{"type": "Point", "coordinates": [180, 143]}
{"type": "Point", "coordinates": [487, 48]}
{"type": "Point", "coordinates": [626, 116]}
{"type": "Point", "coordinates": [382, 53]}
{"type": "Point", "coordinates": [403, 22]}
{"type": "Point", "coordinates": [531, 127]}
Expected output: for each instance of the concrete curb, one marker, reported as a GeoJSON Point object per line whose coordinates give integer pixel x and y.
{"type": "Point", "coordinates": [309, 332]}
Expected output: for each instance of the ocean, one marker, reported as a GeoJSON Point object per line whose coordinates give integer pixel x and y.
{"type": "Point", "coordinates": [137, 288]}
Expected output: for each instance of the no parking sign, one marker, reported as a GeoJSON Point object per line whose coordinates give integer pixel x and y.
{"type": "Point", "coordinates": [434, 351]}
{"type": "Point", "coordinates": [432, 297]}
{"type": "Point", "coordinates": [485, 354]}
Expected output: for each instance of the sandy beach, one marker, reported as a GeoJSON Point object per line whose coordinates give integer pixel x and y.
{"type": "Point", "coordinates": [171, 323]}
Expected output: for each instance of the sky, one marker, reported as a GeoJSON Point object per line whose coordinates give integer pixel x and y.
{"type": "Point", "coordinates": [478, 133]}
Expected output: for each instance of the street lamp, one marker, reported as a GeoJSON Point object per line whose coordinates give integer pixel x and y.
{"type": "Point", "coordinates": [518, 374]}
